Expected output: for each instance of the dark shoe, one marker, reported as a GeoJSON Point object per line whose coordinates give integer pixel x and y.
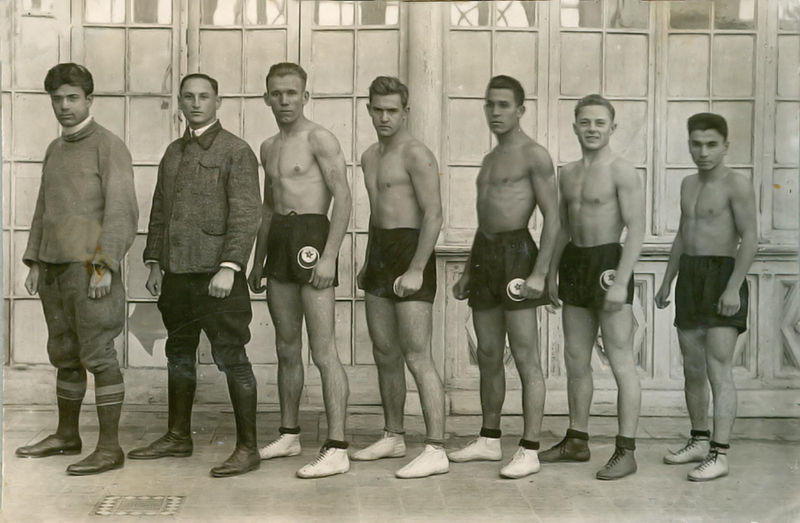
{"type": "Point", "coordinates": [168, 445]}
{"type": "Point", "coordinates": [50, 446]}
{"type": "Point", "coordinates": [621, 464]}
{"type": "Point", "coordinates": [241, 461]}
{"type": "Point", "coordinates": [568, 450]}
{"type": "Point", "coordinates": [98, 461]}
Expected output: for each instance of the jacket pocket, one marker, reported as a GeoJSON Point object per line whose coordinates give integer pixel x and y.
{"type": "Point", "coordinates": [207, 179]}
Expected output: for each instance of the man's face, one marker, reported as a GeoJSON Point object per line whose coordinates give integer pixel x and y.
{"type": "Point", "coordinates": [388, 114]}
{"type": "Point", "coordinates": [708, 148]}
{"type": "Point", "coordinates": [502, 112]}
{"type": "Point", "coordinates": [593, 126]}
{"type": "Point", "coordinates": [70, 104]}
{"type": "Point", "coordinates": [286, 97]}
{"type": "Point", "coordinates": [198, 102]}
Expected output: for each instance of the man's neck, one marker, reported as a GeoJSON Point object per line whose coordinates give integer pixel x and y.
{"type": "Point", "coordinates": [290, 128]}
{"type": "Point", "coordinates": [510, 136]}
{"type": "Point", "coordinates": [387, 142]}
{"type": "Point", "coordinates": [716, 173]}
{"type": "Point", "coordinates": [68, 131]}
{"type": "Point", "coordinates": [200, 130]}
{"type": "Point", "coordinates": [591, 157]}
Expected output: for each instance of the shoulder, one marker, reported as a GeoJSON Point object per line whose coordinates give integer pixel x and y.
{"type": "Point", "coordinates": [537, 156]}
{"type": "Point", "coordinates": [109, 137]}
{"type": "Point", "coordinates": [322, 141]}
{"type": "Point", "coordinates": [370, 153]}
{"type": "Point", "coordinates": [266, 144]}
{"type": "Point", "coordinates": [417, 155]}
{"type": "Point", "coordinates": [623, 171]}
{"type": "Point", "coordinates": [737, 183]}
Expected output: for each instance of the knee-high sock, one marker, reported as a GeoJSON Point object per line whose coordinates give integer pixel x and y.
{"type": "Point", "coordinates": [70, 390]}
{"type": "Point", "coordinates": [109, 393]}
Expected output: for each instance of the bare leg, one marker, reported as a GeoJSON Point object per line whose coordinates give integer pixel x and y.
{"type": "Point", "coordinates": [318, 306]}
{"type": "Point", "coordinates": [414, 325]}
{"type": "Point", "coordinates": [617, 328]}
{"type": "Point", "coordinates": [388, 359]}
{"type": "Point", "coordinates": [692, 343]}
{"type": "Point", "coordinates": [490, 330]}
{"type": "Point", "coordinates": [523, 337]}
{"type": "Point", "coordinates": [287, 314]}
{"type": "Point", "coordinates": [721, 343]}
{"type": "Point", "coordinates": [580, 332]}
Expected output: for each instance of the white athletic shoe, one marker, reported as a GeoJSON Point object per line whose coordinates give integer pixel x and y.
{"type": "Point", "coordinates": [329, 462]}
{"type": "Point", "coordinates": [432, 460]}
{"type": "Point", "coordinates": [524, 463]}
{"type": "Point", "coordinates": [285, 445]}
{"type": "Point", "coordinates": [695, 450]}
{"type": "Point", "coordinates": [714, 466]}
{"type": "Point", "coordinates": [389, 446]}
{"type": "Point", "coordinates": [479, 449]}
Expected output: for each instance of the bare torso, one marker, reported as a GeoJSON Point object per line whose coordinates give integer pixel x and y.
{"type": "Point", "coordinates": [392, 197]}
{"type": "Point", "coordinates": [708, 227]}
{"type": "Point", "coordinates": [296, 180]}
{"type": "Point", "coordinates": [506, 198]}
{"type": "Point", "coordinates": [590, 194]}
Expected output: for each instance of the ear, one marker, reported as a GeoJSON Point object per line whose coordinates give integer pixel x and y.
{"type": "Point", "coordinates": [218, 102]}
{"type": "Point", "coordinates": [266, 100]}
{"type": "Point", "coordinates": [575, 128]}
{"type": "Point", "coordinates": [90, 99]}
{"type": "Point", "coordinates": [520, 111]}
{"type": "Point", "coordinates": [306, 97]}
{"type": "Point", "coordinates": [613, 127]}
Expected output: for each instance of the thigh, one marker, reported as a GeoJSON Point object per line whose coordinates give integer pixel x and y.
{"type": "Point", "coordinates": [721, 345]}
{"type": "Point", "coordinates": [414, 325]}
{"type": "Point", "coordinates": [286, 310]}
{"type": "Point", "coordinates": [523, 336]}
{"type": "Point", "coordinates": [693, 347]}
{"type": "Point", "coordinates": [62, 340]}
{"type": "Point", "coordinates": [319, 312]}
{"type": "Point", "coordinates": [580, 326]}
{"type": "Point", "coordinates": [490, 329]}
{"type": "Point", "coordinates": [226, 321]}
{"type": "Point", "coordinates": [617, 327]}
{"type": "Point", "coordinates": [381, 321]}
{"type": "Point", "coordinates": [98, 320]}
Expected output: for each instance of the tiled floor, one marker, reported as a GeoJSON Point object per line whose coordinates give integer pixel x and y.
{"type": "Point", "coordinates": [764, 485]}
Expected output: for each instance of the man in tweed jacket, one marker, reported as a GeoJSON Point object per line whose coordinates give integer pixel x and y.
{"type": "Point", "coordinates": [206, 211]}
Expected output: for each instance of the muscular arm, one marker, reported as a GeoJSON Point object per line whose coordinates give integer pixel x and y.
{"type": "Point", "coordinates": [544, 185]}
{"type": "Point", "coordinates": [424, 173]}
{"type": "Point", "coordinates": [267, 210]}
{"type": "Point", "coordinates": [743, 206]}
{"type": "Point", "coordinates": [330, 159]}
{"type": "Point", "coordinates": [631, 206]}
{"type": "Point", "coordinates": [562, 238]}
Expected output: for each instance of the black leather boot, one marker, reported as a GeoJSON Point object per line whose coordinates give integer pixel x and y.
{"type": "Point", "coordinates": [242, 390]}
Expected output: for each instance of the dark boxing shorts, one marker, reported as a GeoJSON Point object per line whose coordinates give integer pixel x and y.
{"type": "Point", "coordinates": [701, 282]}
{"type": "Point", "coordinates": [586, 273]}
{"type": "Point", "coordinates": [294, 245]}
{"type": "Point", "coordinates": [496, 259]}
{"type": "Point", "coordinates": [390, 254]}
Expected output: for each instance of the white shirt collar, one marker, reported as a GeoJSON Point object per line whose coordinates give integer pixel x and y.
{"type": "Point", "coordinates": [66, 131]}
{"type": "Point", "coordinates": [197, 132]}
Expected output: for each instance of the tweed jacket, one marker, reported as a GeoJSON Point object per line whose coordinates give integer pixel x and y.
{"type": "Point", "coordinates": [206, 205]}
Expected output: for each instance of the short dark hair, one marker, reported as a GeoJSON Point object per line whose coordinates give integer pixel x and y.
{"type": "Point", "coordinates": [507, 82]}
{"type": "Point", "coordinates": [705, 121]}
{"type": "Point", "coordinates": [213, 82]}
{"type": "Point", "coordinates": [386, 85]}
{"type": "Point", "coordinates": [595, 99]}
{"type": "Point", "coordinates": [71, 74]}
{"type": "Point", "coordinates": [286, 69]}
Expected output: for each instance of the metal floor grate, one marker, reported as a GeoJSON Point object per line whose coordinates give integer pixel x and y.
{"type": "Point", "coordinates": [139, 505]}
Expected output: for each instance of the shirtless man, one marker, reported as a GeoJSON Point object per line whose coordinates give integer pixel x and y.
{"type": "Point", "coordinates": [600, 195]}
{"type": "Point", "coordinates": [399, 276]}
{"type": "Point", "coordinates": [712, 252]}
{"type": "Point", "coordinates": [505, 275]}
{"type": "Point", "coordinates": [304, 169]}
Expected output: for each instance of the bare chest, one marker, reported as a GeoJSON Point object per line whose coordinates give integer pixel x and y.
{"type": "Point", "coordinates": [589, 188]}
{"type": "Point", "coordinates": [289, 159]}
{"type": "Point", "coordinates": [705, 201]}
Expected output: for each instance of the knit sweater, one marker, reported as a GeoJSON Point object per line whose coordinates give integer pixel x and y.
{"type": "Point", "coordinates": [86, 210]}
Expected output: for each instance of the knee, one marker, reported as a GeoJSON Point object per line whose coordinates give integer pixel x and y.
{"type": "Point", "coordinates": [385, 355]}
{"type": "Point", "coordinates": [490, 358]}
{"type": "Point", "coordinates": [578, 367]}
{"type": "Point", "coordinates": [417, 360]}
{"type": "Point", "coordinates": [326, 359]}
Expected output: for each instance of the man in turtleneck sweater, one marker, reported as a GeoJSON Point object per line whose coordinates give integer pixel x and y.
{"type": "Point", "coordinates": [84, 223]}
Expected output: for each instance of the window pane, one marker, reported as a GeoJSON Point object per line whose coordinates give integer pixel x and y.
{"type": "Point", "coordinates": [105, 51]}
{"type": "Point", "coordinates": [150, 124]}
{"type": "Point", "coordinates": [739, 116]}
{"type": "Point", "coordinates": [37, 7]}
{"type": "Point", "coordinates": [145, 177]}
{"type": "Point", "coordinates": [5, 109]}
{"type": "Point", "coordinates": [580, 63]}
{"type": "Point", "coordinates": [151, 60]}
{"type": "Point", "coordinates": [789, 15]}
{"type": "Point", "coordinates": [628, 14]}
{"type": "Point", "coordinates": [262, 49]}
{"type": "Point", "coordinates": [109, 111]}
{"type": "Point", "coordinates": [626, 65]}
{"type": "Point", "coordinates": [784, 199]}
{"type": "Point", "coordinates": [788, 66]}
{"type": "Point", "coordinates": [35, 50]}
{"type": "Point", "coordinates": [469, 14]}
{"type": "Point", "coordinates": [220, 12]}
{"type": "Point", "coordinates": [688, 65]}
{"type": "Point", "coordinates": [732, 68]}
{"type": "Point", "coordinates": [104, 11]}
{"type": "Point", "coordinates": [734, 15]}
{"type": "Point", "coordinates": [630, 137]}
{"type": "Point", "coordinates": [514, 14]}
{"type": "Point", "coordinates": [216, 50]}
{"type": "Point", "coordinates": [515, 55]}
{"type": "Point", "coordinates": [378, 12]}
{"type": "Point", "coordinates": [334, 13]}
{"type": "Point", "coordinates": [787, 129]}
{"type": "Point", "coordinates": [331, 62]}
{"type": "Point", "coordinates": [27, 178]}
{"type": "Point", "coordinates": [265, 12]}
{"type": "Point", "coordinates": [467, 131]}
{"type": "Point", "coordinates": [29, 333]}
{"type": "Point", "coordinates": [230, 115]}
{"type": "Point", "coordinates": [377, 55]}
{"type": "Point", "coordinates": [690, 14]}
{"type": "Point", "coordinates": [462, 194]}
{"type": "Point", "coordinates": [336, 115]}
{"type": "Point", "coordinates": [469, 62]}
{"type": "Point", "coordinates": [34, 126]}
{"type": "Point", "coordinates": [152, 11]}
{"type": "Point", "coordinates": [581, 13]}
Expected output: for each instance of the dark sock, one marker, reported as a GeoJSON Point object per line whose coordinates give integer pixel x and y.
{"type": "Point", "coordinates": [577, 434]}
{"type": "Point", "coordinates": [70, 390]}
{"type": "Point", "coordinates": [626, 443]}
{"type": "Point", "coordinates": [701, 434]}
{"type": "Point", "coordinates": [434, 441]}
{"type": "Point", "coordinates": [528, 444]}
{"type": "Point", "coordinates": [721, 448]}
{"type": "Point", "coordinates": [334, 444]}
{"type": "Point", "coordinates": [490, 433]}
{"type": "Point", "coordinates": [109, 393]}
{"type": "Point", "coordinates": [289, 430]}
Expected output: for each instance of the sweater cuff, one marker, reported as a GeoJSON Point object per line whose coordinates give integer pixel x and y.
{"type": "Point", "coordinates": [106, 261]}
{"type": "Point", "coordinates": [235, 267]}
